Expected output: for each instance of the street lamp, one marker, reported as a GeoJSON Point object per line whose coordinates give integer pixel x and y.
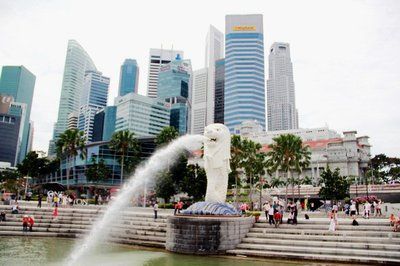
{"type": "Point", "coordinates": [356, 186]}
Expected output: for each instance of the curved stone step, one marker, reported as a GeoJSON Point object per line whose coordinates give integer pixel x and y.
{"type": "Point", "coordinates": [347, 227]}
{"type": "Point", "coordinates": [314, 257]}
{"type": "Point", "coordinates": [326, 238]}
{"type": "Point", "coordinates": [322, 250]}
{"type": "Point", "coordinates": [330, 244]}
{"type": "Point", "coordinates": [304, 232]}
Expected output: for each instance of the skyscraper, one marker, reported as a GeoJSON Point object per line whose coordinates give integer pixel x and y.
{"type": "Point", "coordinates": [174, 87]}
{"type": "Point", "coordinates": [94, 98]}
{"type": "Point", "coordinates": [199, 101]}
{"type": "Point", "coordinates": [128, 77]}
{"type": "Point", "coordinates": [219, 91]}
{"type": "Point", "coordinates": [281, 104]}
{"type": "Point", "coordinates": [19, 82]}
{"type": "Point", "coordinates": [104, 124]}
{"type": "Point", "coordinates": [158, 58]}
{"type": "Point", "coordinates": [12, 115]}
{"type": "Point", "coordinates": [77, 62]}
{"type": "Point", "coordinates": [140, 114]}
{"type": "Point", "coordinates": [214, 51]}
{"type": "Point", "coordinates": [244, 70]}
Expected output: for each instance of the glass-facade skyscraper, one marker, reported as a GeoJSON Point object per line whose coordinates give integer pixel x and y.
{"type": "Point", "coordinates": [128, 77]}
{"type": "Point", "coordinates": [158, 59]}
{"type": "Point", "coordinates": [174, 87]}
{"type": "Point", "coordinates": [94, 98]}
{"type": "Point", "coordinates": [244, 70]}
{"type": "Point", "coordinates": [219, 91]}
{"type": "Point", "coordinates": [281, 100]}
{"type": "Point", "coordinates": [77, 62]}
{"type": "Point", "coordinates": [140, 114]}
{"type": "Point", "coordinates": [104, 124]}
{"type": "Point", "coordinates": [19, 82]}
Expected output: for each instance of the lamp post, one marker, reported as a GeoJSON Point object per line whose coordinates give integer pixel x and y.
{"type": "Point", "coordinates": [356, 186]}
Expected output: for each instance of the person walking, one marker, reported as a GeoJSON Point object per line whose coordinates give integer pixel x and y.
{"type": "Point", "coordinates": [25, 220]}
{"type": "Point", "coordinates": [353, 209]}
{"type": "Point", "coordinates": [31, 222]}
{"type": "Point", "coordinates": [378, 208]}
{"type": "Point", "coordinates": [271, 216]}
{"type": "Point", "coordinates": [332, 224]}
{"type": "Point", "coordinates": [55, 213]}
{"type": "Point", "coordinates": [266, 208]}
{"type": "Point", "coordinates": [155, 208]}
{"type": "Point", "coordinates": [367, 209]}
{"type": "Point", "coordinates": [39, 205]}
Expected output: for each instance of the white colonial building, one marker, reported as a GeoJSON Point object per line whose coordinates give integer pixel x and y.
{"type": "Point", "coordinates": [349, 153]}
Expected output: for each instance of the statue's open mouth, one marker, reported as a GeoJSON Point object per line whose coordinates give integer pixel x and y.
{"type": "Point", "coordinates": [213, 139]}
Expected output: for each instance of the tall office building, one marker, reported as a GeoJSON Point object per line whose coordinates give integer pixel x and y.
{"type": "Point", "coordinates": [140, 114]}
{"type": "Point", "coordinates": [174, 87]}
{"type": "Point", "coordinates": [244, 70]}
{"type": "Point", "coordinates": [77, 62]}
{"type": "Point", "coordinates": [199, 101]}
{"type": "Point", "coordinates": [214, 51]}
{"type": "Point", "coordinates": [219, 91]}
{"type": "Point", "coordinates": [281, 103]}
{"type": "Point", "coordinates": [12, 117]}
{"type": "Point", "coordinates": [94, 98]}
{"type": "Point", "coordinates": [158, 58]}
{"type": "Point", "coordinates": [128, 77]}
{"type": "Point", "coordinates": [104, 124]}
{"type": "Point", "coordinates": [19, 82]}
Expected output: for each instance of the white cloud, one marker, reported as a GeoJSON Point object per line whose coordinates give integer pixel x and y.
{"type": "Point", "coordinates": [345, 53]}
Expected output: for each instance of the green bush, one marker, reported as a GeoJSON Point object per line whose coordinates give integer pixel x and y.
{"type": "Point", "coordinates": [253, 213]}
{"type": "Point", "coordinates": [166, 205]}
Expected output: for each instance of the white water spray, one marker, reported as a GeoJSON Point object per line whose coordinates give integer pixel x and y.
{"type": "Point", "coordinates": [145, 173]}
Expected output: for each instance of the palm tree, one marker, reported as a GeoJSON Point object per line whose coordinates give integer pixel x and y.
{"type": "Point", "coordinates": [69, 145]}
{"type": "Point", "coordinates": [237, 152]}
{"type": "Point", "coordinates": [166, 136]}
{"type": "Point", "coordinates": [125, 143]}
{"type": "Point", "coordinates": [288, 154]}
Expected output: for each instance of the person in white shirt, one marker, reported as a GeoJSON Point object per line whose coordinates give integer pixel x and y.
{"type": "Point", "coordinates": [271, 215]}
{"type": "Point", "coordinates": [367, 209]}
{"type": "Point", "coordinates": [266, 208]}
{"type": "Point", "coordinates": [155, 208]}
{"type": "Point", "coordinates": [353, 209]}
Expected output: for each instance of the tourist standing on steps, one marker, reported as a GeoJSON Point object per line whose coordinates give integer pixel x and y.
{"type": "Point", "coordinates": [155, 208]}
{"type": "Point", "coordinates": [31, 222]}
{"type": "Point", "coordinates": [266, 208]}
{"type": "Point", "coordinates": [367, 209]}
{"type": "Point", "coordinates": [55, 213]}
{"type": "Point", "coordinates": [271, 215]}
{"type": "Point", "coordinates": [353, 209]}
{"type": "Point", "coordinates": [378, 208]}
{"type": "Point", "coordinates": [2, 216]}
{"type": "Point", "coordinates": [25, 220]}
{"type": "Point", "coordinates": [39, 205]}
{"type": "Point", "coordinates": [332, 224]}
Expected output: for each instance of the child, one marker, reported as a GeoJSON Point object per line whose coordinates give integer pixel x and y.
{"type": "Point", "coordinates": [31, 221]}
{"type": "Point", "coordinates": [25, 221]}
{"type": "Point", "coordinates": [332, 224]}
{"type": "Point", "coordinates": [277, 217]}
{"type": "Point", "coordinates": [392, 220]}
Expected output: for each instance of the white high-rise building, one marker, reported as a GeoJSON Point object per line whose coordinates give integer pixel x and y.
{"type": "Point", "coordinates": [199, 101]}
{"type": "Point", "coordinates": [214, 52]}
{"type": "Point", "coordinates": [281, 102]}
{"type": "Point", "coordinates": [77, 62]}
{"type": "Point", "coordinates": [158, 58]}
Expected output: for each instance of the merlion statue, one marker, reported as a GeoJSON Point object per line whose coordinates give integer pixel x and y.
{"type": "Point", "coordinates": [217, 153]}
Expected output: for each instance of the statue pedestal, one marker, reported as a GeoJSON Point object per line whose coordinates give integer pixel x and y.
{"type": "Point", "coordinates": [205, 234]}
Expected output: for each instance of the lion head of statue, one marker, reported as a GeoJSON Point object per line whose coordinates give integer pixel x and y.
{"type": "Point", "coordinates": [217, 145]}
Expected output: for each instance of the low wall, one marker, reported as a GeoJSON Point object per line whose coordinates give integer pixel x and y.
{"type": "Point", "coordinates": [205, 235]}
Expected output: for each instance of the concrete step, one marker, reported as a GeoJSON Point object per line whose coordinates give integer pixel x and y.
{"type": "Point", "coordinates": [314, 257]}
{"type": "Point", "coordinates": [327, 238]}
{"type": "Point", "coordinates": [328, 244]}
{"type": "Point", "coordinates": [322, 250]}
{"type": "Point", "coordinates": [279, 231]}
{"type": "Point", "coordinates": [342, 226]}
{"type": "Point", "coordinates": [133, 236]}
{"type": "Point", "coordinates": [323, 221]}
{"type": "Point", "coordinates": [38, 234]}
{"type": "Point", "coordinates": [138, 242]}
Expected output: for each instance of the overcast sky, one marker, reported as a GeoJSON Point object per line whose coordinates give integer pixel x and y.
{"type": "Point", "coordinates": [345, 54]}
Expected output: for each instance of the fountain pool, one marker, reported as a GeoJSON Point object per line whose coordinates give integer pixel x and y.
{"type": "Point", "coordinates": [53, 251]}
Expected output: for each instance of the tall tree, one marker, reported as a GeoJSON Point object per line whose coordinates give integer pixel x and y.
{"type": "Point", "coordinates": [288, 154]}
{"type": "Point", "coordinates": [69, 145]}
{"type": "Point", "coordinates": [97, 171]}
{"type": "Point", "coordinates": [33, 166]}
{"type": "Point", "coordinates": [333, 185]}
{"type": "Point", "coordinates": [237, 154]}
{"type": "Point", "coordinates": [195, 182]}
{"type": "Point", "coordinates": [383, 169]}
{"type": "Point", "coordinates": [166, 135]}
{"type": "Point", "coordinates": [165, 187]}
{"type": "Point", "coordinates": [126, 145]}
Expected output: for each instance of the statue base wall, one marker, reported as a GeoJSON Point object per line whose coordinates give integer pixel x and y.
{"type": "Point", "coordinates": [205, 234]}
